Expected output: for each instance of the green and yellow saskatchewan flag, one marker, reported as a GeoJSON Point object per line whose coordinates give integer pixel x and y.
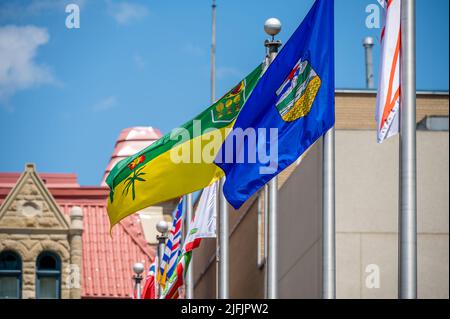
{"type": "Point", "coordinates": [180, 162]}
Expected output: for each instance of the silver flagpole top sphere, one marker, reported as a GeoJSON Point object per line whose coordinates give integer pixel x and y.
{"type": "Point", "coordinates": [138, 268]}
{"type": "Point", "coordinates": [162, 226]}
{"type": "Point", "coordinates": [272, 26]}
{"type": "Point", "coordinates": [368, 41]}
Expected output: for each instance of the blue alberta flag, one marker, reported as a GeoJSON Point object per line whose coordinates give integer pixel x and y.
{"type": "Point", "coordinates": [289, 109]}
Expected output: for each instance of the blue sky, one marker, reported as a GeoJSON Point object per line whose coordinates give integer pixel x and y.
{"type": "Point", "coordinates": [65, 94]}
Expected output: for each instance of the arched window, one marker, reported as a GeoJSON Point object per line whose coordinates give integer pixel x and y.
{"type": "Point", "coordinates": [48, 276]}
{"type": "Point", "coordinates": [10, 275]}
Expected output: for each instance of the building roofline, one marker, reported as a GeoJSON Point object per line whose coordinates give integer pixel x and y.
{"type": "Point", "coordinates": [370, 91]}
{"type": "Point", "coordinates": [70, 193]}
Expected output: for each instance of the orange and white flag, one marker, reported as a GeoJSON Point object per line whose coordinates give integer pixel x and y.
{"type": "Point", "coordinates": [388, 96]}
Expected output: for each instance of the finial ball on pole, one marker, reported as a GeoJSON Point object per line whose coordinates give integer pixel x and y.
{"type": "Point", "coordinates": [138, 268]}
{"type": "Point", "coordinates": [368, 42]}
{"type": "Point", "coordinates": [162, 226]}
{"type": "Point", "coordinates": [272, 26]}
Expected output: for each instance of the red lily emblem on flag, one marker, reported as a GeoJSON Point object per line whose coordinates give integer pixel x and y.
{"type": "Point", "coordinates": [136, 162]}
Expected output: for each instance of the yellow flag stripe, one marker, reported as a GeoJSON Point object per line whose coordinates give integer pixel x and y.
{"type": "Point", "coordinates": [165, 179]}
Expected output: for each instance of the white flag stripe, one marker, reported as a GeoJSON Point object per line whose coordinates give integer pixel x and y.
{"type": "Point", "coordinates": [388, 97]}
{"type": "Point", "coordinates": [204, 223]}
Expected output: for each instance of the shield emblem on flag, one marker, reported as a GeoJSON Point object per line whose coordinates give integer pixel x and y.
{"type": "Point", "coordinates": [227, 108]}
{"type": "Point", "coordinates": [297, 93]}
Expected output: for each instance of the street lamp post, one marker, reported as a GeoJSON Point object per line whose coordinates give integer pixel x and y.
{"type": "Point", "coordinates": [162, 227]}
{"type": "Point", "coordinates": [138, 269]}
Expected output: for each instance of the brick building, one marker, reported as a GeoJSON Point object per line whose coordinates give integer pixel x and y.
{"type": "Point", "coordinates": [55, 240]}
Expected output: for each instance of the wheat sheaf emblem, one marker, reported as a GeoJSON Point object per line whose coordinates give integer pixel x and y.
{"type": "Point", "coordinates": [296, 95]}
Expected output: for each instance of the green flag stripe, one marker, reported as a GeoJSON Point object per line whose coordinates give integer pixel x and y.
{"type": "Point", "coordinates": [165, 143]}
{"type": "Point", "coordinates": [185, 259]}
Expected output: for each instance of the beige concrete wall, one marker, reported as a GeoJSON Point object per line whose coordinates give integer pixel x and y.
{"type": "Point", "coordinates": [246, 279]}
{"type": "Point", "coordinates": [367, 213]}
{"type": "Point", "coordinates": [366, 224]}
{"type": "Point", "coordinates": [356, 110]}
{"type": "Point", "coordinates": [205, 270]}
{"type": "Point", "coordinates": [299, 229]}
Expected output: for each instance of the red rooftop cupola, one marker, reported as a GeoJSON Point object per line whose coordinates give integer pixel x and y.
{"type": "Point", "coordinates": [131, 140]}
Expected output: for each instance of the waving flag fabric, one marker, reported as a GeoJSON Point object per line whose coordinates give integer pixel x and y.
{"type": "Point", "coordinates": [204, 223]}
{"type": "Point", "coordinates": [148, 291]}
{"type": "Point", "coordinates": [171, 291]}
{"type": "Point", "coordinates": [173, 245]}
{"type": "Point", "coordinates": [388, 96]}
{"type": "Point", "coordinates": [203, 226]}
{"type": "Point", "coordinates": [291, 107]}
{"type": "Point", "coordinates": [152, 175]}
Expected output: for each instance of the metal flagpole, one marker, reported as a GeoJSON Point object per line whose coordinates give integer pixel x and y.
{"type": "Point", "coordinates": [368, 47]}
{"type": "Point", "coordinates": [272, 271]}
{"type": "Point", "coordinates": [266, 238]}
{"type": "Point", "coordinates": [272, 27]}
{"type": "Point", "coordinates": [189, 287]}
{"type": "Point", "coordinates": [213, 53]}
{"type": "Point", "coordinates": [222, 252]}
{"type": "Point", "coordinates": [138, 268]}
{"type": "Point", "coordinates": [162, 227]}
{"type": "Point", "coordinates": [223, 245]}
{"type": "Point", "coordinates": [328, 218]}
{"type": "Point", "coordinates": [407, 199]}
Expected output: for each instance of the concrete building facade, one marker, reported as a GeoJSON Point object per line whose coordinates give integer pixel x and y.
{"type": "Point", "coordinates": [366, 214]}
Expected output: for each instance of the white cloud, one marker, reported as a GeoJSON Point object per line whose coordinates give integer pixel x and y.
{"type": "Point", "coordinates": [125, 12]}
{"type": "Point", "coordinates": [18, 68]}
{"type": "Point", "coordinates": [105, 104]}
